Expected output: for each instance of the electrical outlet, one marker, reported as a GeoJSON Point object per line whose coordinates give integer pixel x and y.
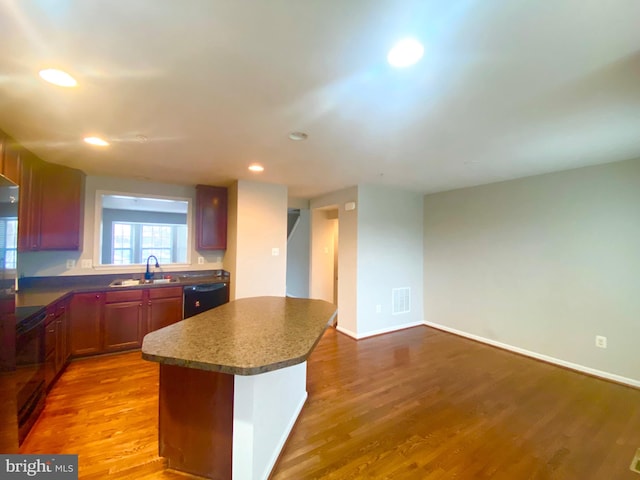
{"type": "Point", "coordinates": [86, 263]}
{"type": "Point", "coordinates": [71, 263]}
{"type": "Point", "coordinates": [275, 252]}
{"type": "Point", "coordinates": [200, 260]}
{"type": "Point", "coordinates": [378, 308]}
{"type": "Point", "coordinates": [601, 342]}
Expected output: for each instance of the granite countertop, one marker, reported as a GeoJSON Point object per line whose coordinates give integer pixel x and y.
{"type": "Point", "coordinates": [244, 337]}
{"type": "Point", "coordinates": [48, 290]}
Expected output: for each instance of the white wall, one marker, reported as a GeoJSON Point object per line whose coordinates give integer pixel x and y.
{"type": "Point", "coordinates": [323, 225]}
{"type": "Point", "coordinates": [544, 264]}
{"type": "Point", "coordinates": [390, 255]}
{"type": "Point", "coordinates": [54, 263]}
{"type": "Point", "coordinates": [298, 256]}
{"type": "Point", "coordinates": [260, 225]}
{"type": "Point", "coordinates": [347, 254]}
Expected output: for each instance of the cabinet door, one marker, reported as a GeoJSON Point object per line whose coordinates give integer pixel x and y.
{"type": "Point", "coordinates": [29, 204]}
{"type": "Point", "coordinates": [50, 341]}
{"type": "Point", "coordinates": [61, 208]}
{"type": "Point", "coordinates": [62, 340]}
{"type": "Point", "coordinates": [123, 324]}
{"type": "Point", "coordinates": [10, 155]}
{"type": "Point", "coordinates": [85, 316]}
{"type": "Point", "coordinates": [163, 312]}
{"type": "Point", "coordinates": [211, 218]}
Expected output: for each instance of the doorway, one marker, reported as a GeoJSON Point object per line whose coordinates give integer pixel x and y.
{"type": "Point", "coordinates": [324, 254]}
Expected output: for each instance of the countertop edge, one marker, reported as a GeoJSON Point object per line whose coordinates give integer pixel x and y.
{"type": "Point", "coordinates": [232, 370]}
{"type": "Point", "coordinates": [237, 370]}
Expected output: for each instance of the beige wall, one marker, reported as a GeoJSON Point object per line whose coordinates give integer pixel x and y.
{"type": "Point", "coordinates": [260, 225]}
{"type": "Point", "coordinates": [390, 255]}
{"type": "Point", "coordinates": [543, 264]}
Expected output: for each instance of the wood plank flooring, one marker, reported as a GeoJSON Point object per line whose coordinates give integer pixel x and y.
{"type": "Point", "coordinates": [415, 404]}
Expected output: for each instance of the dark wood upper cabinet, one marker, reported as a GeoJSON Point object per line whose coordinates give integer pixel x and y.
{"type": "Point", "coordinates": [10, 158]}
{"type": "Point", "coordinates": [61, 208]}
{"type": "Point", "coordinates": [51, 206]}
{"type": "Point", "coordinates": [30, 200]}
{"type": "Point", "coordinates": [211, 218]}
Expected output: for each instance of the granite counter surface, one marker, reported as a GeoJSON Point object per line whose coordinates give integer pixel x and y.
{"type": "Point", "coordinates": [244, 337]}
{"type": "Point", "coordinates": [59, 287]}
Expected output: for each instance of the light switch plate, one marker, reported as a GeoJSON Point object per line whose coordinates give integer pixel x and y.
{"type": "Point", "coordinates": [71, 263]}
{"type": "Point", "coordinates": [275, 252]}
{"type": "Point", "coordinates": [200, 260]}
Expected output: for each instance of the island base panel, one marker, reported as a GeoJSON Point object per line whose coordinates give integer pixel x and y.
{"type": "Point", "coordinates": [265, 410]}
{"type": "Point", "coordinates": [196, 421]}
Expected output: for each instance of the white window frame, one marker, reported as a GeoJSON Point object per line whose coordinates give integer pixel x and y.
{"type": "Point", "coordinates": [135, 267]}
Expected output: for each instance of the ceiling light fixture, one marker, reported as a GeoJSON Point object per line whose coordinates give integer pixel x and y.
{"type": "Point", "coordinates": [97, 141]}
{"type": "Point", "coordinates": [298, 136]}
{"type": "Point", "coordinates": [405, 53]}
{"type": "Point", "coordinates": [257, 168]}
{"type": "Point", "coordinates": [57, 77]}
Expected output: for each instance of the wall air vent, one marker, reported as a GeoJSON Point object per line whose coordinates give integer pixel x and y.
{"type": "Point", "coordinates": [400, 300]}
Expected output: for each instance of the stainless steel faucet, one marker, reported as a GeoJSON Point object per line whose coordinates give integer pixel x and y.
{"type": "Point", "coordinates": [148, 275]}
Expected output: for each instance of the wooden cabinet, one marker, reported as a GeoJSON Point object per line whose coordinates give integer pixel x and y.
{"type": "Point", "coordinates": [9, 158]}
{"type": "Point", "coordinates": [51, 206]}
{"type": "Point", "coordinates": [118, 320]}
{"type": "Point", "coordinates": [85, 323]}
{"type": "Point", "coordinates": [61, 209]}
{"type": "Point", "coordinates": [56, 341]}
{"type": "Point", "coordinates": [164, 307]}
{"type": "Point", "coordinates": [211, 218]}
{"type": "Point", "coordinates": [29, 203]}
{"type": "Point", "coordinates": [123, 326]}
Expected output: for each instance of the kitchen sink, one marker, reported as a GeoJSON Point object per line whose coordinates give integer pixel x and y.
{"type": "Point", "coordinates": [129, 282]}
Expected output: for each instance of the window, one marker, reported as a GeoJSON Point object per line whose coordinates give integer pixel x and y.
{"type": "Point", "coordinates": [135, 227]}
{"type": "Point", "coordinates": [9, 239]}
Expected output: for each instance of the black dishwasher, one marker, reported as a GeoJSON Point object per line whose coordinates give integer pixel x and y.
{"type": "Point", "coordinates": [203, 297]}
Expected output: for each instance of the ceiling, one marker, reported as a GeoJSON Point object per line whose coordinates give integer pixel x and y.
{"type": "Point", "coordinates": [506, 89]}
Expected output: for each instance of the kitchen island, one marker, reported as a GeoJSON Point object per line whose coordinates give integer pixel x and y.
{"type": "Point", "coordinates": [233, 382]}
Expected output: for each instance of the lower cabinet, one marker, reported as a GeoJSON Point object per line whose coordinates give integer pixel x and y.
{"type": "Point", "coordinates": [123, 320]}
{"type": "Point", "coordinates": [117, 320]}
{"type": "Point", "coordinates": [56, 340]}
{"type": "Point", "coordinates": [164, 307]}
{"type": "Point", "coordinates": [85, 323]}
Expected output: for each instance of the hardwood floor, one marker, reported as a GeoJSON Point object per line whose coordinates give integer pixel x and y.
{"type": "Point", "coordinates": [415, 404]}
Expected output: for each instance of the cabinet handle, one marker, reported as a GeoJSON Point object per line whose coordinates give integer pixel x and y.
{"type": "Point", "coordinates": [97, 296]}
{"type": "Point", "coordinates": [149, 303]}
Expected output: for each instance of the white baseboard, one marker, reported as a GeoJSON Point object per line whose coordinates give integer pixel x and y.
{"type": "Point", "coordinates": [360, 336]}
{"type": "Point", "coordinates": [545, 358]}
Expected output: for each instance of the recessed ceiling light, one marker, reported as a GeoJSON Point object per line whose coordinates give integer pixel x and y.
{"type": "Point", "coordinates": [255, 167]}
{"type": "Point", "coordinates": [97, 141]}
{"type": "Point", "coordinates": [57, 77]}
{"type": "Point", "coordinates": [298, 136]}
{"type": "Point", "coordinates": [405, 53]}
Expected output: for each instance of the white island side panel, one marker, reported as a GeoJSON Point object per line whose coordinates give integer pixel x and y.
{"type": "Point", "coordinates": [265, 408]}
